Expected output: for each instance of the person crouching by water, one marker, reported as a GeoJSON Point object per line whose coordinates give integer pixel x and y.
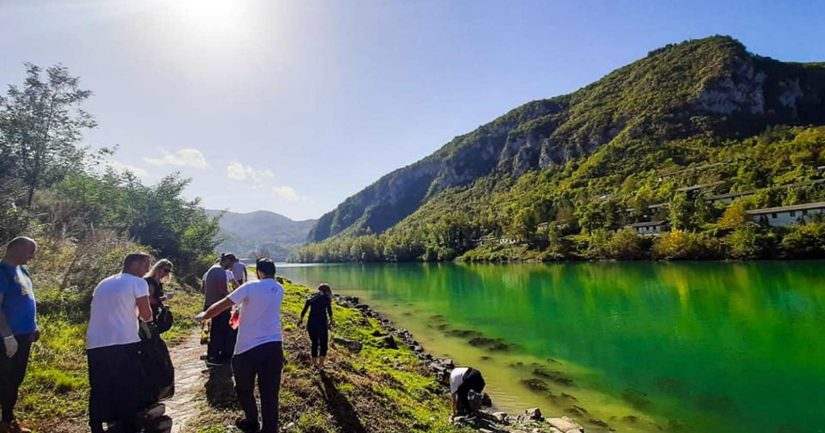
{"type": "Point", "coordinates": [318, 323]}
{"type": "Point", "coordinates": [221, 335]}
{"type": "Point", "coordinates": [462, 381]}
{"type": "Point", "coordinates": [113, 346]}
{"type": "Point", "coordinates": [258, 350]}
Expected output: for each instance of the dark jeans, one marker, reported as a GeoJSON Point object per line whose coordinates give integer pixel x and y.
{"type": "Point", "coordinates": [263, 362]}
{"type": "Point", "coordinates": [12, 372]}
{"type": "Point", "coordinates": [319, 336]}
{"type": "Point", "coordinates": [221, 338]}
{"type": "Point", "coordinates": [472, 380]}
{"type": "Point", "coordinates": [117, 389]}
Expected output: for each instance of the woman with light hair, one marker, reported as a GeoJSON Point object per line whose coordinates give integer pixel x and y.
{"type": "Point", "coordinates": [159, 274]}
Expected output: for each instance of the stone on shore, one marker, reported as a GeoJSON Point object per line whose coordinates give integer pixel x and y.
{"type": "Point", "coordinates": [565, 425]}
{"type": "Point", "coordinates": [353, 346]}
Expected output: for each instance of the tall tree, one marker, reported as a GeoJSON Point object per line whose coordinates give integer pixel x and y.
{"type": "Point", "coordinates": [41, 125]}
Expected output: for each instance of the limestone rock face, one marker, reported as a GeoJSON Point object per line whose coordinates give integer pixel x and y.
{"type": "Point", "coordinates": [708, 87]}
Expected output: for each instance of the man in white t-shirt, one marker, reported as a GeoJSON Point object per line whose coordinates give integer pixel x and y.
{"type": "Point", "coordinates": [258, 349]}
{"type": "Point", "coordinates": [239, 270]}
{"type": "Point", "coordinates": [113, 345]}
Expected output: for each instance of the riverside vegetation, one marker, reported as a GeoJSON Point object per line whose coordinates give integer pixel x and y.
{"type": "Point", "coordinates": [86, 217]}
{"type": "Point", "coordinates": [560, 178]}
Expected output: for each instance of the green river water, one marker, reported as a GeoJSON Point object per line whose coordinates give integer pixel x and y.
{"type": "Point", "coordinates": [643, 347]}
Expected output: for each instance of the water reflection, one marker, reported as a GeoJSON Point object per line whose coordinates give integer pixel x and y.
{"type": "Point", "coordinates": [725, 346]}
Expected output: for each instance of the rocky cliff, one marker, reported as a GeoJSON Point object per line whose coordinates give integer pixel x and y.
{"type": "Point", "coordinates": [710, 86]}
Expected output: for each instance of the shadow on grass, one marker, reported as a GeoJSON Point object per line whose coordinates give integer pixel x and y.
{"type": "Point", "coordinates": [341, 409]}
{"type": "Point", "coordinates": [220, 390]}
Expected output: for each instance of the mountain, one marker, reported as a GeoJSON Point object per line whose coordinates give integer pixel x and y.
{"type": "Point", "coordinates": [246, 234]}
{"type": "Point", "coordinates": [710, 87]}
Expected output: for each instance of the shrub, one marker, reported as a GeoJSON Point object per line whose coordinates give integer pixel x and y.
{"type": "Point", "coordinates": [679, 244]}
{"type": "Point", "coordinates": [750, 242]}
{"type": "Point", "coordinates": [805, 241]}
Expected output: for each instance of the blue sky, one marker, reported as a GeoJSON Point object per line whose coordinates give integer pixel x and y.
{"type": "Point", "coordinates": [293, 106]}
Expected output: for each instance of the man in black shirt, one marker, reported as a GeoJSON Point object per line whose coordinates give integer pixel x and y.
{"type": "Point", "coordinates": [319, 322]}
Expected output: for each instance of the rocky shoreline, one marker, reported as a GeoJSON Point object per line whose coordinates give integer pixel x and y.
{"type": "Point", "coordinates": [487, 420]}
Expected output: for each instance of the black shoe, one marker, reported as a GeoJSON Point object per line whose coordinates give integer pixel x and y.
{"type": "Point", "coordinates": [248, 426]}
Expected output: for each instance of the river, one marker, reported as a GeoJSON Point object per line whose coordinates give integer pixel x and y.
{"type": "Point", "coordinates": [641, 346]}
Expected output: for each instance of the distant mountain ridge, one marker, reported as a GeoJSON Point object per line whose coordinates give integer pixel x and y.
{"type": "Point", "coordinates": [708, 87]}
{"type": "Point", "coordinates": [261, 231]}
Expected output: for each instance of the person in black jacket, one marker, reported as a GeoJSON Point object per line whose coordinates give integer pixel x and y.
{"type": "Point", "coordinates": [319, 322]}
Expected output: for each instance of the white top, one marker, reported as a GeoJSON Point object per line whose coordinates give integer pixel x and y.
{"type": "Point", "coordinates": [114, 316]}
{"type": "Point", "coordinates": [229, 277]}
{"type": "Point", "coordinates": [260, 313]}
{"type": "Point", "coordinates": [457, 378]}
{"type": "Point", "coordinates": [237, 270]}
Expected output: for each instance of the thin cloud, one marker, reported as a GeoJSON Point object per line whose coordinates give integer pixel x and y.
{"type": "Point", "coordinates": [241, 172]}
{"type": "Point", "coordinates": [188, 157]}
{"type": "Point", "coordinates": [122, 168]}
{"type": "Point", "coordinates": [287, 193]}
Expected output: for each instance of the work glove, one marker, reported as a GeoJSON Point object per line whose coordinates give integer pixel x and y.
{"type": "Point", "coordinates": [10, 344]}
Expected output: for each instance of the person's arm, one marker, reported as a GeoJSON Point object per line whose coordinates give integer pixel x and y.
{"type": "Point", "coordinates": [144, 308]}
{"type": "Point", "coordinates": [215, 309]}
{"type": "Point", "coordinates": [329, 312]}
{"type": "Point", "coordinates": [9, 342]}
{"type": "Point", "coordinates": [454, 403]}
{"type": "Point", "coordinates": [303, 312]}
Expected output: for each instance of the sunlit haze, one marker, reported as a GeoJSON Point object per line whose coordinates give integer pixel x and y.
{"type": "Point", "coordinates": [293, 106]}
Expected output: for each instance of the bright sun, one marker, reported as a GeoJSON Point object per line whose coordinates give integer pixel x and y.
{"type": "Point", "coordinates": [210, 21]}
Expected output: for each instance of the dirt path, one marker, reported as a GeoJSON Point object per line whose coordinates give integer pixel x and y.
{"type": "Point", "coordinates": [190, 376]}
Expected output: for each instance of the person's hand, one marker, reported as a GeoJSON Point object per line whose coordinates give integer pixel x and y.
{"type": "Point", "coordinates": [10, 343]}
{"type": "Point", "coordinates": [201, 316]}
{"type": "Point", "coordinates": [35, 336]}
{"type": "Point", "coordinates": [168, 295]}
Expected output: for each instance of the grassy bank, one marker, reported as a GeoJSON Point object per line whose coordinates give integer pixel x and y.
{"type": "Point", "coordinates": [54, 395]}
{"type": "Point", "coordinates": [375, 390]}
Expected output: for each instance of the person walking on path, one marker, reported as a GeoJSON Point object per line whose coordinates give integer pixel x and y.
{"type": "Point", "coordinates": [157, 363]}
{"type": "Point", "coordinates": [239, 271]}
{"type": "Point", "coordinates": [18, 326]}
{"type": "Point", "coordinates": [259, 349]}
{"type": "Point", "coordinates": [221, 335]}
{"type": "Point", "coordinates": [113, 346]}
{"type": "Point", "coordinates": [318, 323]}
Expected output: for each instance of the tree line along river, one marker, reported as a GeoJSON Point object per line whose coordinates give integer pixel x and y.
{"type": "Point", "coordinates": [636, 346]}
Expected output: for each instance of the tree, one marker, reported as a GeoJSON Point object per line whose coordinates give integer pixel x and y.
{"type": "Point", "coordinates": [41, 125]}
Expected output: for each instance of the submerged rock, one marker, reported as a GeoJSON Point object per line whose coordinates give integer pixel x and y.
{"type": "Point", "coordinates": [554, 375]}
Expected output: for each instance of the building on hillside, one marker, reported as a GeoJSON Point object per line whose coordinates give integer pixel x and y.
{"type": "Point", "coordinates": [729, 197]}
{"type": "Point", "coordinates": [650, 227]}
{"type": "Point", "coordinates": [783, 216]}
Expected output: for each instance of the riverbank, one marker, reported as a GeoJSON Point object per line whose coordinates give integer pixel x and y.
{"type": "Point", "coordinates": [378, 379]}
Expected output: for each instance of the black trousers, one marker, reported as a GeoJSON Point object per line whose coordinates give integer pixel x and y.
{"type": "Point", "coordinates": [319, 336]}
{"type": "Point", "coordinates": [263, 362]}
{"type": "Point", "coordinates": [472, 380]}
{"type": "Point", "coordinates": [117, 388]}
{"type": "Point", "coordinates": [12, 372]}
{"type": "Point", "coordinates": [221, 338]}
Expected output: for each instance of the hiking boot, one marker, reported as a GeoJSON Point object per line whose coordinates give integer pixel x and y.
{"type": "Point", "coordinates": [13, 427]}
{"type": "Point", "coordinates": [248, 426]}
{"type": "Point", "coordinates": [161, 424]}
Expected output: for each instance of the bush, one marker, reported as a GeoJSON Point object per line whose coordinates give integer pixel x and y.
{"type": "Point", "coordinates": [750, 242]}
{"type": "Point", "coordinates": [805, 241]}
{"type": "Point", "coordinates": [679, 244]}
{"type": "Point", "coordinates": [626, 244]}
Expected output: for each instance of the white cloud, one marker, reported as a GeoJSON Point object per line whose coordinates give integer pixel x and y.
{"type": "Point", "coordinates": [188, 157]}
{"type": "Point", "coordinates": [287, 193]}
{"type": "Point", "coordinates": [238, 171]}
{"type": "Point", "coordinates": [122, 168]}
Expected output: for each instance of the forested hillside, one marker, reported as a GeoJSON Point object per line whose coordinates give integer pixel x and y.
{"type": "Point", "coordinates": [260, 233]}
{"type": "Point", "coordinates": [560, 178]}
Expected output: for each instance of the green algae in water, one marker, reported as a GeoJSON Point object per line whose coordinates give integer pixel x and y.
{"type": "Point", "coordinates": [723, 347]}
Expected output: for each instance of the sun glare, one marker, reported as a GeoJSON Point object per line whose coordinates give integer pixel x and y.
{"type": "Point", "coordinates": [209, 18]}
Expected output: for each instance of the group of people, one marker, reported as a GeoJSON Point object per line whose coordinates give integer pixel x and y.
{"type": "Point", "coordinates": [128, 363]}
